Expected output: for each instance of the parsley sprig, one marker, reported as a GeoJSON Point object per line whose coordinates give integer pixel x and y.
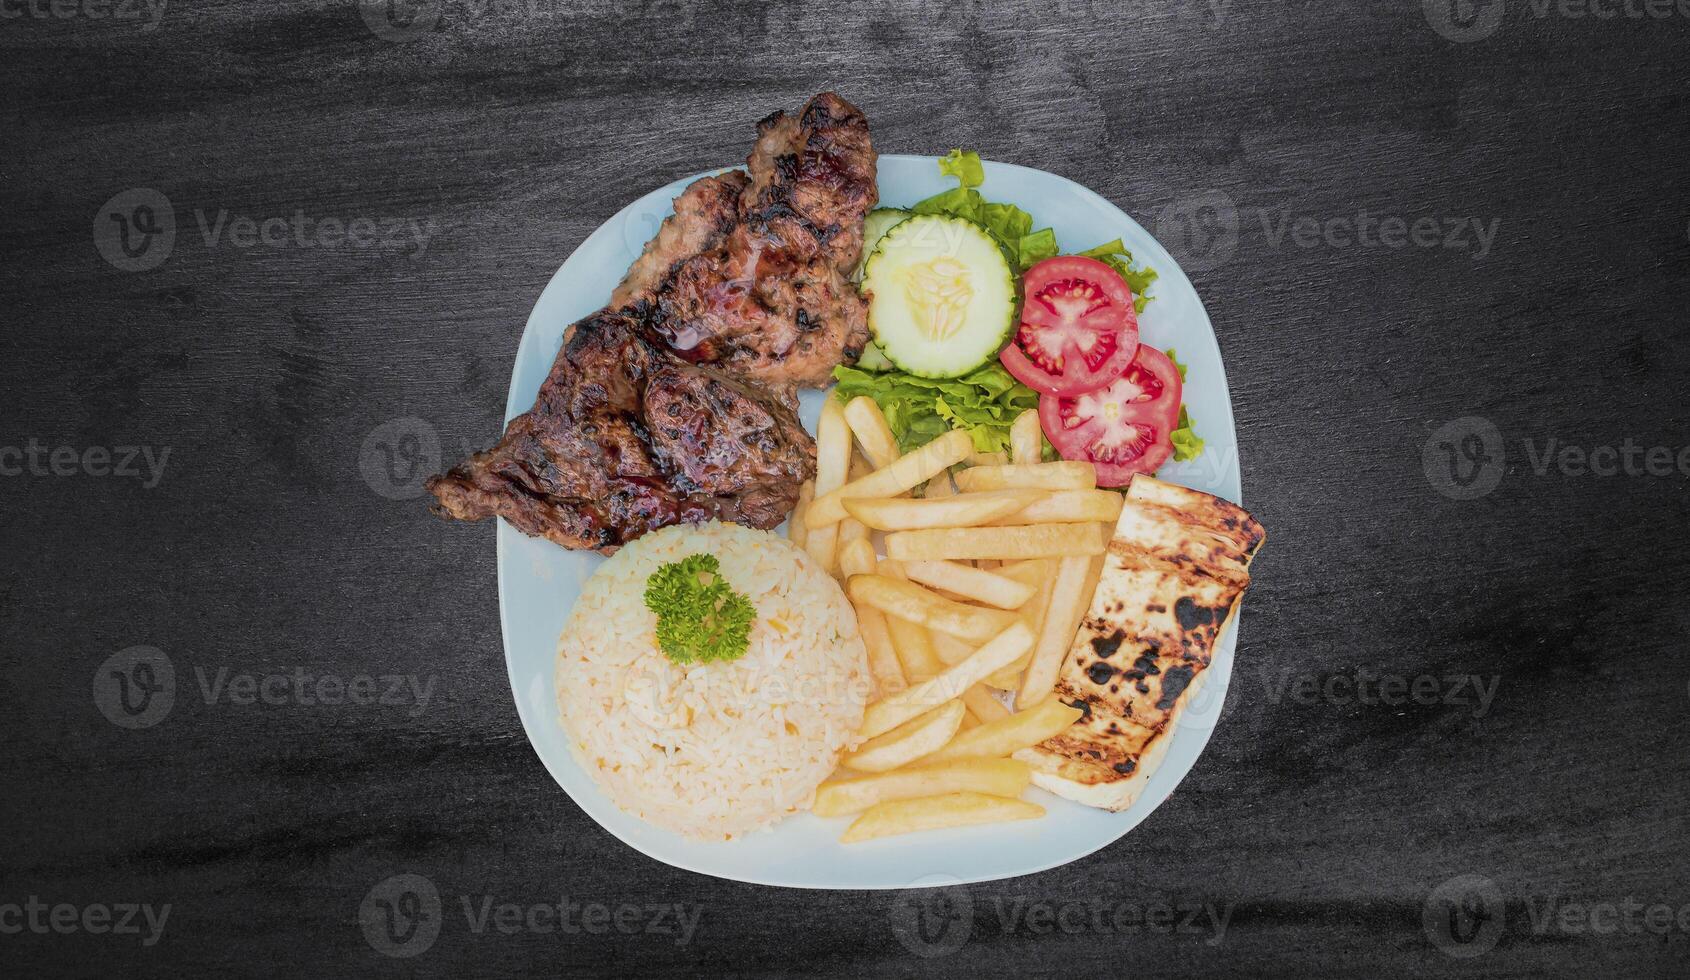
{"type": "Point", "coordinates": [700, 618]}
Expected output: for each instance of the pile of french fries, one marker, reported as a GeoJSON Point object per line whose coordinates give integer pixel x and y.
{"type": "Point", "coordinates": [981, 591]}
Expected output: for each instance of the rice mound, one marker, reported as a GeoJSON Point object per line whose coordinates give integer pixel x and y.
{"type": "Point", "coordinates": [713, 750]}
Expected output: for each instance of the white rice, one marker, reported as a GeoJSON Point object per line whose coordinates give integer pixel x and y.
{"type": "Point", "coordinates": [719, 749]}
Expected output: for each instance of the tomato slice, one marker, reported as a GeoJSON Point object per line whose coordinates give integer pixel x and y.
{"type": "Point", "coordinates": [1078, 329]}
{"type": "Point", "coordinates": [1123, 428]}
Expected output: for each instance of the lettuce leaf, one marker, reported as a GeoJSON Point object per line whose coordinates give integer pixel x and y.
{"type": "Point", "coordinates": [985, 403]}
{"type": "Point", "coordinates": [1187, 444]}
{"type": "Point", "coordinates": [965, 166]}
{"type": "Point", "coordinates": [1115, 255]}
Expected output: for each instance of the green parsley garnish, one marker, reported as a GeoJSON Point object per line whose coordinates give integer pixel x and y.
{"type": "Point", "coordinates": [700, 618]}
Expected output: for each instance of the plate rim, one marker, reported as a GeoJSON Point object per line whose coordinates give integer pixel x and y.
{"type": "Point", "coordinates": [1215, 683]}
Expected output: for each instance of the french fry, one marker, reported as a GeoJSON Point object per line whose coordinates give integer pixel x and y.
{"type": "Point", "coordinates": [959, 510]}
{"type": "Point", "coordinates": [935, 813]}
{"type": "Point", "coordinates": [1061, 475]}
{"type": "Point", "coordinates": [994, 777]}
{"type": "Point", "coordinates": [952, 650]}
{"type": "Point", "coordinates": [888, 713]}
{"type": "Point", "coordinates": [973, 584]}
{"type": "Point", "coordinates": [851, 529]}
{"type": "Point", "coordinates": [1069, 507]}
{"type": "Point", "coordinates": [796, 530]}
{"type": "Point", "coordinates": [905, 473]}
{"type": "Point", "coordinates": [914, 645]}
{"type": "Point", "coordinates": [868, 424]}
{"type": "Point", "coordinates": [1026, 541]}
{"type": "Point", "coordinates": [968, 721]}
{"type": "Point", "coordinates": [982, 705]}
{"type": "Point", "coordinates": [1026, 439]}
{"type": "Point", "coordinates": [906, 600]}
{"type": "Point", "coordinates": [939, 486]}
{"type": "Point", "coordinates": [1009, 678]}
{"type": "Point", "coordinates": [857, 558]}
{"type": "Point", "coordinates": [1069, 599]}
{"type": "Point", "coordinates": [833, 464]}
{"type": "Point", "coordinates": [913, 641]}
{"type": "Point", "coordinates": [921, 735]}
{"type": "Point", "coordinates": [999, 739]}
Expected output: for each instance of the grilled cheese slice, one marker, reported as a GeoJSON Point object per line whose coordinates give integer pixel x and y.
{"type": "Point", "coordinates": [1176, 570]}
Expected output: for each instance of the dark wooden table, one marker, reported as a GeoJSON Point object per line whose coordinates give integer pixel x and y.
{"type": "Point", "coordinates": [1445, 248]}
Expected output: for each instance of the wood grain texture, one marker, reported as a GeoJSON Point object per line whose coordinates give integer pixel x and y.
{"type": "Point", "coordinates": [1318, 826]}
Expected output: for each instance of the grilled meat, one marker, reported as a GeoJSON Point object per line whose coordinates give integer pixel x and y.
{"type": "Point", "coordinates": [774, 302]}
{"type": "Point", "coordinates": [677, 403]}
{"type": "Point", "coordinates": [626, 438]}
{"type": "Point", "coordinates": [704, 215]}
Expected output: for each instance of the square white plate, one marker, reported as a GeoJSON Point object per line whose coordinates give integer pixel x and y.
{"type": "Point", "coordinates": [539, 581]}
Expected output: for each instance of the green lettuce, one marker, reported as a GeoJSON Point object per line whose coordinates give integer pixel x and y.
{"type": "Point", "coordinates": [1187, 444]}
{"type": "Point", "coordinates": [984, 402]}
{"type": "Point", "coordinates": [1115, 255]}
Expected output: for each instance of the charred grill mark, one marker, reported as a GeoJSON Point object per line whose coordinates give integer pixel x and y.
{"type": "Point", "coordinates": [1105, 646]}
{"type": "Point", "coordinates": [1174, 683]}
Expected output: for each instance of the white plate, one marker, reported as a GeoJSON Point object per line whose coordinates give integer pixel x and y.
{"type": "Point", "coordinates": [539, 581]}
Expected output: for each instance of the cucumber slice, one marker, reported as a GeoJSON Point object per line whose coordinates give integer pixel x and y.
{"type": "Point", "coordinates": [943, 296]}
{"type": "Point", "coordinates": [875, 226]}
{"type": "Point", "coordinates": [874, 359]}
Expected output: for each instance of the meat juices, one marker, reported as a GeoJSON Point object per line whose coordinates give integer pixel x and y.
{"type": "Point", "coordinates": [678, 402]}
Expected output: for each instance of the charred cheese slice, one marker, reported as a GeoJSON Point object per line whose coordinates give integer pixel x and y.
{"type": "Point", "coordinates": [1177, 567]}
